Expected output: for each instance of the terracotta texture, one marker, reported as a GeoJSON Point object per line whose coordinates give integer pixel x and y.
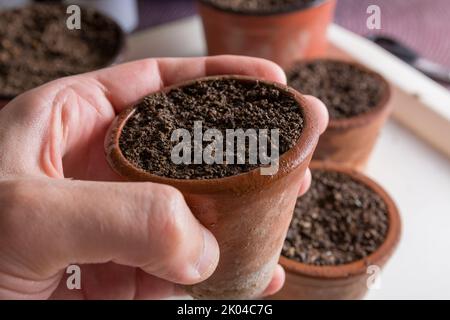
{"type": "Point", "coordinates": [343, 282]}
{"type": "Point", "coordinates": [351, 141]}
{"type": "Point", "coordinates": [249, 213]}
{"type": "Point", "coordinates": [282, 37]}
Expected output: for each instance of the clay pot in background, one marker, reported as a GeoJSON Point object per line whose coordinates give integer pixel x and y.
{"type": "Point", "coordinates": [342, 282]}
{"type": "Point", "coordinates": [280, 37]}
{"type": "Point", "coordinates": [350, 141]}
{"type": "Point", "coordinates": [249, 213]}
{"type": "Point", "coordinates": [116, 58]}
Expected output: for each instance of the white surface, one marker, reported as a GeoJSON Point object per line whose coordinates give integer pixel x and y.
{"type": "Point", "coordinates": [12, 3]}
{"type": "Point", "coordinates": [125, 12]}
{"type": "Point", "coordinates": [417, 177]}
{"type": "Point", "coordinates": [183, 38]}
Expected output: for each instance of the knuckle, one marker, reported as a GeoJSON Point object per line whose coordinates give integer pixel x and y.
{"type": "Point", "coordinates": [169, 213]}
{"type": "Point", "coordinates": [168, 218]}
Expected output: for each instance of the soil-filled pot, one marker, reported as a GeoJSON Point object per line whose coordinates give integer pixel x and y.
{"type": "Point", "coordinates": [247, 212]}
{"type": "Point", "coordinates": [282, 33]}
{"type": "Point", "coordinates": [37, 46]}
{"type": "Point", "coordinates": [358, 101]}
{"type": "Point", "coordinates": [341, 236]}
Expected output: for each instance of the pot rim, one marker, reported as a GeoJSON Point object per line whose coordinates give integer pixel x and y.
{"type": "Point", "coordinates": [288, 161]}
{"type": "Point", "coordinates": [115, 58]}
{"type": "Point", "coordinates": [382, 107]}
{"type": "Point", "coordinates": [290, 9]}
{"type": "Point", "coordinates": [359, 267]}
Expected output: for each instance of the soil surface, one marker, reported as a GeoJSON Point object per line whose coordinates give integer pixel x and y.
{"type": "Point", "coordinates": [261, 6]}
{"type": "Point", "coordinates": [219, 104]}
{"type": "Point", "coordinates": [36, 46]}
{"type": "Point", "coordinates": [338, 221]}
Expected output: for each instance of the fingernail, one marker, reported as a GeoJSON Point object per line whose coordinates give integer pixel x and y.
{"type": "Point", "coordinates": [209, 257]}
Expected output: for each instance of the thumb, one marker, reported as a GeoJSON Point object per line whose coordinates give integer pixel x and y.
{"type": "Point", "coordinates": [142, 225]}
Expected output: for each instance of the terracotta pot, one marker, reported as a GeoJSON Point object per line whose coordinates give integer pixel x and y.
{"type": "Point", "coordinates": [343, 282]}
{"type": "Point", "coordinates": [350, 141]}
{"type": "Point", "coordinates": [116, 58]}
{"type": "Point", "coordinates": [281, 37]}
{"type": "Point", "coordinates": [249, 213]}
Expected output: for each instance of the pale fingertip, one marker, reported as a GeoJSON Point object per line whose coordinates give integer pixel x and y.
{"type": "Point", "coordinates": [306, 183]}
{"type": "Point", "coordinates": [207, 262]}
{"type": "Point", "coordinates": [278, 279]}
{"type": "Point", "coordinates": [271, 71]}
{"type": "Point", "coordinates": [321, 110]}
{"type": "Point", "coordinates": [276, 73]}
{"type": "Point", "coordinates": [210, 256]}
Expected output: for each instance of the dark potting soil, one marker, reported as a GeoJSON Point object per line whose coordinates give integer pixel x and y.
{"type": "Point", "coordinates": [260, 6]}
{"type": "Point", "coordinates": [346, 90]}
{"type": "Point", "coordinates": [338, 221]}
{"type": "Point", "coordinates": [36, 46]}
{"type": "Point", "coordinates": [219, 104]}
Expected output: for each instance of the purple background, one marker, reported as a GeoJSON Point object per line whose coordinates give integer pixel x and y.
{"type": "Point", "coordinates": [424, 25]}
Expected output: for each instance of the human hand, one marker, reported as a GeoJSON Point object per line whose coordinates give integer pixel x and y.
{"type": "Point", "coordinates": [53, 214]}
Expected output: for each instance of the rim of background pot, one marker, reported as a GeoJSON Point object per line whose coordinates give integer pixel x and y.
{"type": "Point", "coordinates": [358, 267]}
{"type": "Point", "coordinates": [383, 106]}
{"type": "Point", "coordinates": [115, 58]}
{"type": "Point", "coordinates": [241, 183]}
{"type": "Point", "coordinates": [289, 9]}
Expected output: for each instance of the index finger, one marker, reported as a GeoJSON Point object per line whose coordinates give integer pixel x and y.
{"type": "Point", "coordinates": [127, 83]}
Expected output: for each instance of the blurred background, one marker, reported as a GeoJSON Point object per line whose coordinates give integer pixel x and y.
{"type": "Point", "coordinates": [422, 25]}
